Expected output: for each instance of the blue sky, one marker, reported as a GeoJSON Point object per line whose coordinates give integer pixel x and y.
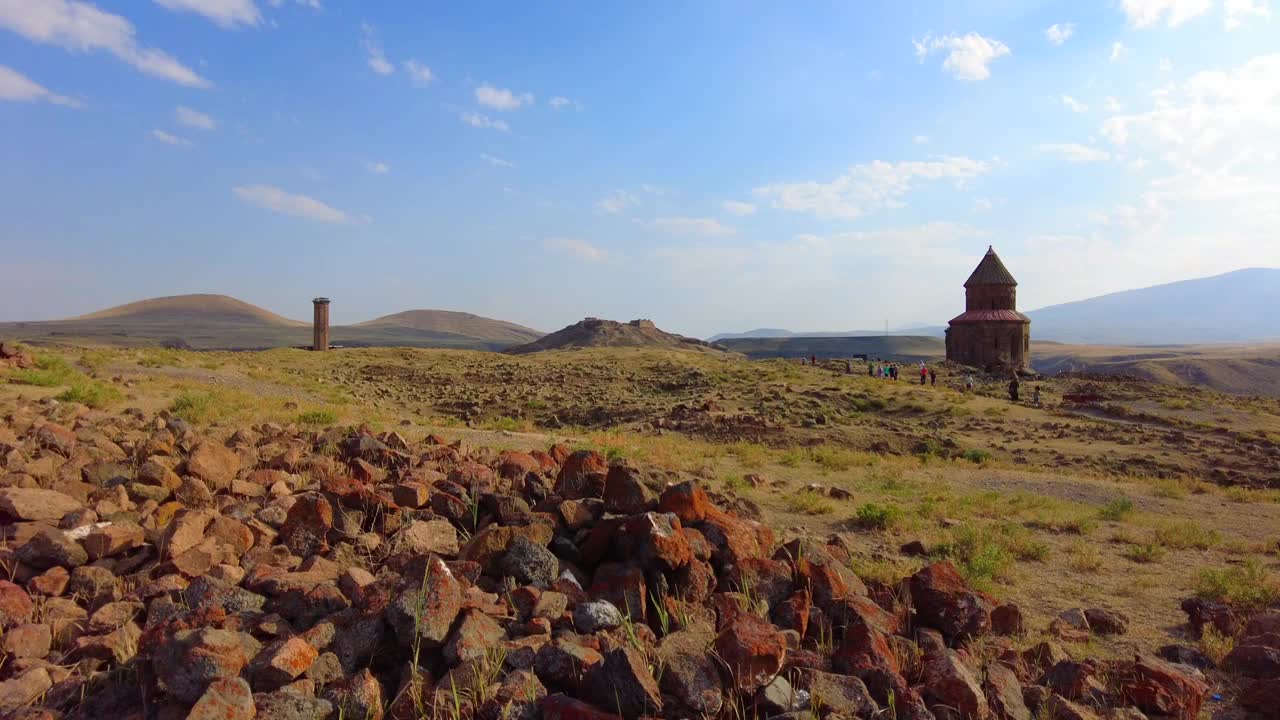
{"type": "Point", "coordinates": [714, 166]}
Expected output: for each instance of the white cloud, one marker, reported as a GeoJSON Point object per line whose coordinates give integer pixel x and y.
{"type": "Point", "coordinates": [920, 139]}
{"type": "Point", "coordinates": [1075, 105]}
{"type": "Point", "coordinates": [377, 168]}
{"type": "Point", "coordinates": [741, 209]}
{"type": "Point", "coordinates": [616, 201]}
{"type": "Point", "coordinates": [987, 204]}
{"type": "Point", "coordinates": [1076, 153]}
{"type": "Point", "coordinates": [496, 161]}
{"type": "Point", "coordinates": [1118, 51]}
{"type": "Point", "coordinates": [706, 227]}
{"type": "Point", "coordinates": [560, 102]}
{"type": "Point", "coordinates": [169, 139]}
{"type": "Point", "coordinates": [82, 27]}
{"type": "Point", "coordinates": [578, 249]}
{"type": "Point", "coordinates": [420, 74]}
{"type": "Point", "coordinates": [480, 120]}
{"type": "Point", "coordinates": [1059, 33]}
{"type": "Point", "coordinates": [19, 88]}
{"type": "Point", "coordinates": [281, 201]}
{"type": "Point", "coordinates": [192, 118]}
{"type": "Point", "coordinates": [501, 98]}
{"type": "Point", "coordinates": [377, 59]}
{"type": "Point", "coordinates": [1113, 104]}
{"type": "Point", "coordinates": [967, 55]}
{"type": "Point", "coordinates": [1238, 10]}
{"type": "Point", "coordinates": [1145, 13]}
{"type": "Point", "coordinates": [227, 13]}
{"type": "Point", "coordinates": [868, 187]}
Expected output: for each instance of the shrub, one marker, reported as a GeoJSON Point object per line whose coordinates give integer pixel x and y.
{"type": "Point", "coordinates": [1186, 535]}
{"type": "Point", "coordinates": [809, 503]}
{"type": "Point", "coordinates": [1216, 645]}
{"type": "Point", "coordinates": [1117, 509]}
{"type": "Point", "coordinates": [976, 456]}
{"type": "Point", "coordinates": [878, 517]}
{"type": "Point", "coordinates": [1144, 553]}
{"type": "Point", "coordinates": [94, 394]}
{"type": "Point", "coordinates": [979, 555]}
{"type": "Point", "coordinates": [193, 406]}
{"type": "Point", "coordinates": [1084, 557]}
{"type": "Point", "coordinates": [48, 372]}
{"type": "Point", "coordinates": [1247, 585]}
{"type": "Point", "coordinates": [317, 417]}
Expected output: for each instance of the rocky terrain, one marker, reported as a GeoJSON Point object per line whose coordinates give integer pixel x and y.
{"type": "Point", "coordinates": [595, 333]}
{"type": "Point", "coordinates": [273, 572]}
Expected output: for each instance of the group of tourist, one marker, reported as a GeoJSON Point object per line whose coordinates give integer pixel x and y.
{"type": "Point", "coordinates": [891, 371]}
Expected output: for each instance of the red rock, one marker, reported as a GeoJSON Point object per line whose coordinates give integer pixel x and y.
{"type": "Point", "coordinates": [625, 492]}
{"type": "Point", "coordinates": [427, 612]}
{"type": "Point", "coordinates": [950, 683]}
{"type": "Point", "coordinates": [655, 538]}
{"type": "Point", "coordinates": [187, 664]}
{"type": "Point", "coordinates": [943, 601]}
{"type": "Point", "coordinates": [361, 696]}
{"type": "Point", "coordinates": [1157, 687]}
{"type": "Point", "coordinates": [36, 504]}
{"type": "Point", "coordinates": [623, 682]}
{"type": "Point", "coordinates": [1253, 661]}
{"type": "Point", "coordinates": [1261, 696]}
{"type": "Point", "coordinates": [1007, 620]}
{"type": "Point", "coordinates": [423, 537]}
{"type": "Point", "coordinates": [489, 545]}
{"type": "Point", "coordinates": [226, 699]}
{"type": "Point", "coordinates": [282, 662]}
{"type": "Point", "coordinates": [688, 501]}
{"type": "Point", "coordinates": [624, 586]}
{"type": "Point", "coordinates": [15, 605]}
{"type": "Point", "coordinates": [475, 635]}
{"type": "Point", "coordinates": [563, 663]}
{"type": "Point", "coordinates": [582, 475]}
{"type": "Point", "coordinates": [114, 539]}
{"type": "Point", "coordinates": [184, 532]}
{"type": "Point", "coordinates": [1004, 693]}
{"type": "Point", "coordinates": [411, 495]}
{"type": "Point", "coordinates": [753, 651]}
{"type": "Point", "coordinates": [23, 690]}
{"type": "Point", "coordinates": [841, 695]}
{"type": "Point", "coordinates": [563, 707]}
{"type": "Point", "coordinates": [307, 525]}
{"type": "Point", "coordinates": [793, 613]}
{"type": "Point", "coordinates": [56, 438]}
{"type": "Point", "coordinates": [731, 539]}
{"type": "Point", "coordinates": [690, 674]}
{"type": "Point", "coordinates": [864, 648]}
{"type": "Point", "coordinates": [27, 641]}
{"type": "Point", "coordinates": [515, 464]}
{"type": "Point", "coordinates": [213, 463]}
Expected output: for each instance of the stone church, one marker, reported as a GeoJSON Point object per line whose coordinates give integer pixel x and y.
{"type": "Point", "coordinates": [990, 334]}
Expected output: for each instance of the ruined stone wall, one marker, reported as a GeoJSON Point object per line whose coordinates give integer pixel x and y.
{"type": "Point", "coordinates": [990, 345]}
{"type": "Point", "coordinates": [1000, 297]}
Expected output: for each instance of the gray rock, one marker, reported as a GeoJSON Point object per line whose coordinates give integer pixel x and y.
{"type": "Point", "coordinates": [597, 615]}
{"type": "Point", "coordinates": [285, 705]}
{"type": "Point", "coordinates": [52, 548]}
{"type": "Point", "coordinates": [529, 563]}
{"type": "Point", "coordinates": [205, 591]}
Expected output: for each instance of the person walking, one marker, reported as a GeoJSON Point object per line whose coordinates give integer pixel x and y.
{"type": "Point", "coordinates": [1013, 389]}
{"type": "Point", "coordinates": [924, 373]}
{"type": "Point", "coordinates": [871, 370]}
{"type": "Point", "coordinates": [813, 360]}
{"type": "Point", "coordinates": [933, 377]}
{"type": "Point", "coordinates": [968, 383]}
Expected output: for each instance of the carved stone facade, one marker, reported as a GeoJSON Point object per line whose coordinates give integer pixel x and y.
{"type": "Point", "coordinates": [991, 334]}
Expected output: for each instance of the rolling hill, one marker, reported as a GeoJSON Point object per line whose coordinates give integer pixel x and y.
{"type": "Point", "coordinates": [221, 322]}
{"type": "Point", "coordinates": [1234, 307]}
{"type": "Point", "coordinates": [594, 332]}
{"type": "Point", "coordinates": [901, 348]}
{"type": "Point", "coordinates": [455, 323]}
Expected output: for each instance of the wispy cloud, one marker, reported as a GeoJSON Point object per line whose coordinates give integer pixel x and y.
{"type": "Point", "coordinates": [1118, 51]}
{"type": "Point", "coordinates": [968, 56]}
{"type": "Point", "coordinates": [578, 249]}
{"type": "Point", "coordinates": [184, 115]}
{"type": "Point", "coordinates": [1145, 13]}
{"type": "Point", "coordinates": [869, 187]}
{"type": "Point", "coordinates": [377, 59]}
{"type": "Point", "coordinates": [168, 138]}
{"type": "Point", "coordinates": [1074, 105]}
{"type": "Point", "coordinates": [377, 168]}
{"type": "Point", "coordinates": [82, 27]}
{"type": "Point", "coordinates": [496, 161]}
{"type": "Point", "coordinates": [501, 98]}
{"type": "Point", "coordinates": [17, 87]}
{"type": "Point", "coordinates": [616, 201]}
{"type": "Point", "coordinates": [739, 208]}
{"type": "Point", "coordinates": [277, 200]}
{"type": "Point", "coordinates": [227, 13]}
{"type": "Point", "coordinates": [480, 120]}
{"type": "Point", "coordinates": [1059, 33]}
{"type": "Point", "coordinates": [560, 102]}
{"type": "Point", "coordinates": [705, 227]}
{"type": "Point", "coordinates": [1076, 153]}
{"type": "Point", "coordinates": [419, 74]}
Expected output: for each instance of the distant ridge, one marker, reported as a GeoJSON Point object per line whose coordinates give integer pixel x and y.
{"type": "Point", "coordinates": [457, 323]}
{"type": "Point", "coordinates": [207, 308]}
{"type": "Point", "coordinates": [594, 332]}
{"type": "Point", "coordinates": [760, 333]}
{"type": "Point", "coordinates": [1234, 307]}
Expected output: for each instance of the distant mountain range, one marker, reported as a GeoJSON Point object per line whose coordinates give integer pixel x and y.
{"type": "Point", "coordinates": [221, 322]}
{"type": "Point", "coordinates": [1235, 307]}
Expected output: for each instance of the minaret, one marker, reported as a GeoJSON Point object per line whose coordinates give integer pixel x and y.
{"type": "Point", "coordinates": [320, 327]}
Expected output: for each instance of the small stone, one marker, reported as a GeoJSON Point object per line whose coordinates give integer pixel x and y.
{"type": "Point", "coordinates": [282, 662]}
{"type": "Point", "coordinates": [529, 563]}
{"type": "Point", "coordinates": [226, 699]}
{"type": "Point", "coordinates": [50, 547]}
{"type": "Point", "coordinates": [113, 539]}
{"type": "Point", "coordinates": [35, 504]}
{"type": "Point", "coordinates": [27, 641]}
{"type": "Point", "coordinates": [426, 537]}
{"type": "Point", "coordinates": [596, 615]}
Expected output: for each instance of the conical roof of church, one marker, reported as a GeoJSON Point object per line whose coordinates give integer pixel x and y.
{"type": "Point", "coordinates": [990, 272]}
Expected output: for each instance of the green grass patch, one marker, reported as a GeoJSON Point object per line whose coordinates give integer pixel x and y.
{"type": "Point", "coordinates": [874, 516]}
{"type": "Point", "coordinates": [809, 502]}
{"type": "Point", "coordinates": [976, 456]}
{"type": "Point", "coordinates": [1248, 585]}
{"type": "Point", "coordinates": [1117, 509]}
{"type": "Point", "coordinates": [1144, 553]}
{"type": "Point", "coordinates": [192, 406]}
{"type": "Point", "coordinates": [317, 417]}
{"type": "Point", "coordinates": [1185, 535]}
{"type": "Point", "coordinates": [48, 372]}
{"type": "Point", "coordinates": [94, 394]}
{"type": "Point", "coordinates": [979, 553]}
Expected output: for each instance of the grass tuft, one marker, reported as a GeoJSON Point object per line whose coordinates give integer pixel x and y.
{"type": "Point", "coordinates": [1247, 586]}
{"type": "Point", "coordinates": [317, 417]}
{"type": "Point", "coordinates": [809, 502]}
{"type": "Point", "coordinates": [94, 394]}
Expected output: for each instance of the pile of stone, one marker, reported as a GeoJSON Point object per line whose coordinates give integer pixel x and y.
{"type": "Point", "coordinates": [159, 572]}
{"type": "Point", "coordinates": [13, 356]}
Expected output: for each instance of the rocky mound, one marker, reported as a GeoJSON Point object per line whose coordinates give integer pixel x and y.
{"type": "Point", "coordinates": [279, 573]}
{"type": "Point", "coordinates": [191, 308]}
{"type": "Point", "coordinates": [594, 332]}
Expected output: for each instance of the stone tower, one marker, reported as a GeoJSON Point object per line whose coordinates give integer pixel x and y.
{"type": "Point", "coordinates": [320, 325]}
{"type": "Point", "coordinates": [990, 334]}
